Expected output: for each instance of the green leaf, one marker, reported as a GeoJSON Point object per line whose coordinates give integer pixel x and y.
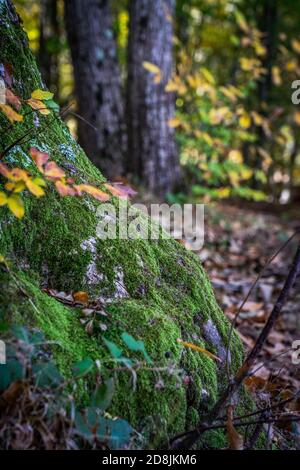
{"type": "Point", "coordinates": [46, 374]}
{"type": "Point", "coordinates": [114, 350]}
{"type": "Point", "coordinates": [103, 395]}
{"type": "Point", "coordinates": [82, 368]}
{"type": "Point", "coordinates": [135, 345]}
{"type": "Point", "coordinates": [10, 372]}
{"type": "Point", "coordinates": [51, 104]}
{"type": "Point", "coordinates": [116, 433]}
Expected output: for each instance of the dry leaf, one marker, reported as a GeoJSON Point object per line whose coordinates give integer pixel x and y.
{"type": "Point", "coordinates": [236, 441]}
{"type": "Point", "coordinates": [199, 349]}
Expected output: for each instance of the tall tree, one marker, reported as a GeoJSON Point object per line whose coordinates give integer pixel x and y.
{"type": "Point", "coordinates": [97, 82]}
{"type": "Point", "coordinates": [152, 151]}
{"type": "Point", "coordinates": [49, 44]}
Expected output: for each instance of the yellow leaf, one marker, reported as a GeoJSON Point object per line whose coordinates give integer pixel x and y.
{"type": "Point", "coordinates": [245, 121]}
{"type": "Point", "coordinates": [34, 188]}
{"type": "Point", "coordinates": [241, 21]}
{"type": "Point", "coordinates": [151, 67]}
{"type": "Point", "coordinates": [2, 259]}
{"type": "Point", "coordinates": [38, 105]}
{"type": "Point", "coordinates": [208, 75]}
{"type": "Point", "coordinates": [16, 187]}
{"type": "Point", "coordinates": [16, 205]}
{"type": "Point", "coordinates": [235, 156]}
{"type": "Point", "coordinates": [276, 76]}
{"type": "Point", "coordinates": [171, 86]}
{"type": "Point", "coordinates": [41, 95]}
{"type": "Point", "coordinates": [174, 122]}
{"type": "Point", "coordinates": [257, 118]}
{"type": "Point", "coordinates": [199, 349]}
{"type": "Point", "coordinates": [10, 113]}
{"type": "Point", "coordinates": [296, 45]}
{"type": "Point", "coordinates": [3, 198]}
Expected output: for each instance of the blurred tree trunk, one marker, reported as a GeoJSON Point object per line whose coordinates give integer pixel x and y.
{"type": "Point", "coordinates": [152, 153]}
{"type": "Point", "coordinates": [97, 82]}
{"type": "Point", "coordinates": [268, 26]}
{"type": "Point", "coordinates": [49, 44]}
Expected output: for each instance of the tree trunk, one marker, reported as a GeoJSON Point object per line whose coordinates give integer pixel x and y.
{"type": "Point", "coordinates": [152, 153]}
{"type": "Point", "coordinates": [49, 44]}
{"type": "Point", "coordinates": [153, 289]}
{"type": "Point", "coordinates": [97, 83]}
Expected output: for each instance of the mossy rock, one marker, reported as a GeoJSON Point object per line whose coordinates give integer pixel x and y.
{"type": "Point", "coordinates": [155, 290]}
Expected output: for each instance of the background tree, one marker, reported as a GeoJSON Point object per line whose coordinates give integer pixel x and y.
{"type": "Point", "coordinates": [97, 82]}
{"type": "Point", "coordinates": [49, 44]}
{"type": "Point", "coordinates": [152, 153]}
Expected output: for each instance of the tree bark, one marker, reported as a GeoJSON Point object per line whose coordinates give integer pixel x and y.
{"type": "Point", "coordinates": [49, 44]}
{"type": "Point", "coordinates": [97, 82]}
{"type": "Point", "coordinates": [152, 153]}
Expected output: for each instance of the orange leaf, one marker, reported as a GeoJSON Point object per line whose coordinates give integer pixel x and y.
{"type": "Point", "coordinates": [64, 189]}
{"type": "Point", "coordinates": [40, 158]}
{"type": "Point", "coordinates": [199, 349]}
{"type": "Point", "coordinates": [10, 113]}
{"type": "Point", "coordinates": [12, 99]}
{"type": "Point", "coordinates": [92, 191]}
{"type": "Point", "coordinates": [4, 170]}
{"type": "Point", "coordinates": [16, 174]}
{"type": "Point", "coordinates": [38, 105]}
{"type": "Point", "coordinates": [236, 441]}
{"type": "Point", "coordinates": [120, 190]}
{"type": "Point", "coordinates": [52, 170]}
{"type": "Point", "coordinates": [81, 297]}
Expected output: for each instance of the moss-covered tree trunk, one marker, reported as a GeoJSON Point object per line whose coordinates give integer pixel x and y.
{"type": "Point", "coordinates": [154, 290]}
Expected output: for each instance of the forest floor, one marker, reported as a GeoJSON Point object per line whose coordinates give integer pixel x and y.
{"type": "Point", "coordinates": [238, 243]}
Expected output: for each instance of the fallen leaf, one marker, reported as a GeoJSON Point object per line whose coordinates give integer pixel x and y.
{"type": "Point", "coordinates": [81, 297]}
{"type": "Point", "coordinates": [236, 441]}
{"type": "Point", "coordinates": [199, 349]}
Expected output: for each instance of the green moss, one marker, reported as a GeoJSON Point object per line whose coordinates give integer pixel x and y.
{"type": "Point", "coordinates": [154, 290]}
